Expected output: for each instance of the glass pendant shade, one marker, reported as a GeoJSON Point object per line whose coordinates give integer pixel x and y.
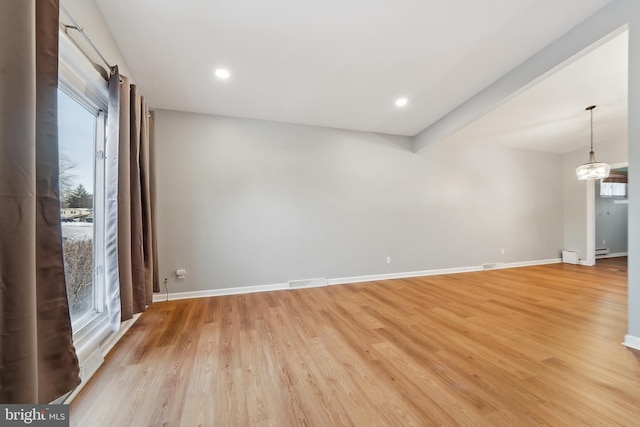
{"type": "Point", "coordinates": [592, 169]}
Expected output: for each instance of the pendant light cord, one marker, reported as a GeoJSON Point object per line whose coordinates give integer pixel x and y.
{"type": "Point", "coordinates": [592, 155]}
{"type": "Point", "coordinates": [592, 169]}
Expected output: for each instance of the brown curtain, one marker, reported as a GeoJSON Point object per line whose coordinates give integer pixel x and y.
{"type": "Point", "coordinates": [137, 253]}
{"type": "Point", "coordinates": [147, 200]}
{"type": "Point", "coordinates": [38, 362]}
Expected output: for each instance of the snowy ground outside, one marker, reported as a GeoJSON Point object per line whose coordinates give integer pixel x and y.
{"type": "Point", "coordinates": [77, 230]}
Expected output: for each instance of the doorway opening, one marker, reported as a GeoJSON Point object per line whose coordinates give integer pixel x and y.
{"type": "Point", "coordinates": [607, 216]}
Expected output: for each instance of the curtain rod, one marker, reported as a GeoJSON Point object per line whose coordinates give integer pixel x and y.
{"type": "Point", "coordinates": [79, 29]}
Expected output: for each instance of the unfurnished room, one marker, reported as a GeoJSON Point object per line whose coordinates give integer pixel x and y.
{"type": "Point", "coordinates": [319, 213]}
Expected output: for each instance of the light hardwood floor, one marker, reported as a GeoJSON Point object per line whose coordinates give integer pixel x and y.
{"type": "Point", "coordinates": [515, 347]}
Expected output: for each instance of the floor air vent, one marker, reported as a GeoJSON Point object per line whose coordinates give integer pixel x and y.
{"type": "Point", "coordinates": [307, 283]}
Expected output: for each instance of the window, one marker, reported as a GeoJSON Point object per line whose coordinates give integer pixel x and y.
{"type": "Point", "coordinates": [613, 189]}
{"type": "Point", "coordinates": [82, 102]}
{"type": "Point", "coordinates": [76, 143]}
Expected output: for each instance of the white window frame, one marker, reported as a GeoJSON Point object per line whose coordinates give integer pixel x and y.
{"type": "Point", "coordinates": [98, 207]}
{"type": "Point", "coordinates": [78, 78]}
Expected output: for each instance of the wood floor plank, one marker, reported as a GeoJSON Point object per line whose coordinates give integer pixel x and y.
{"type": "Point", "coordinates": [515, 347]}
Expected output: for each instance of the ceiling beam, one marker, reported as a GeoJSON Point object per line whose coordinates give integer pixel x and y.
{"type": "Point", "coordinates": [601, 27]}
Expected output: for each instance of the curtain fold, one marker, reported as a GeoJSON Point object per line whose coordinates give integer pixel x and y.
{"type": "Point", "coordinates": [38, 362]}
{"type": "Point", "coordinates": [138, 301]}
{"type": "Point", "coordinates": [147, 210]}
{"type": "Point", "coordinates": [137, 253]}
{"type": "Point", "coordinates": [151, 235]}
{"type": "Point", "coordinates": [112, 275]}
{"type": "Point", "coordinates": [124, 201]}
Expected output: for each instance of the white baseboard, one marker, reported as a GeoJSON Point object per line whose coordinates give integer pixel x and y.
{"type": "Point", "coordinates": [437, 272]}
{"type": "Point", "coordinates": [402, 275]}
{"type": "Point", "coordinates": [614, 255]}
{"type": "Point", "coordinates": [159, 297]}
{"type": "Point", "coordinates": [632, 342]}
{"type": "Point", "coordinates": [532, 263]}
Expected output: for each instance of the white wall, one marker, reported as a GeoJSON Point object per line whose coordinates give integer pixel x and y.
{"type": "Point", "coordinates": [575, 205]}
{"type": "Point", "coordinates": [244, 203]}
{"type": "Point", "coordinates": [87, 14]}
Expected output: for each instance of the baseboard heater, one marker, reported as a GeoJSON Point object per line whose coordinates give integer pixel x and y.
{"type": "Point", "coordinates": [602, 251]}
{"type": "Point", "coordinates": [570, 257]}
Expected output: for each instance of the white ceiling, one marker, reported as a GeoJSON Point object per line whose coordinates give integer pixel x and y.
{"type": "Point", "coordinates": [550, 116]}
{"type": "Point", "coordinates": [337, 63]}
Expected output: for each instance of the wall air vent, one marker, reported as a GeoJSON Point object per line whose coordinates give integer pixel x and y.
{"type": "Point", "coordinates": [492, 265]}
{"type": "Point", "coordinates": [307, 283]}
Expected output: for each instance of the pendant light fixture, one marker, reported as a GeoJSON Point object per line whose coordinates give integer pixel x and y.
{"type": "Point", "coordinates": [592, 169]}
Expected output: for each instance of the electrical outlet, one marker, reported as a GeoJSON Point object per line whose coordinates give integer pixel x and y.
{"type": "Point", "coordinates": [388, 260]}
{"type": "Point", "coordinates": [502, 251]}
{"type": "Point", "coordinates": [604, 242]}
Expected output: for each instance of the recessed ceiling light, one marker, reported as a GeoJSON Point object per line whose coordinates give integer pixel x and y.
{"type": "Point", "coordinates": [401, 102]}
{"type": "Point", "coordinates": [222, 73]}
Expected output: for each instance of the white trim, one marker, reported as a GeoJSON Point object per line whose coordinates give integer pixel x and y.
{"type": "Point", "coordinates": [443, 271]}
{"type": "Point", "coordinates": [113, 338]}
{"type": "Point", "coordinates": [632, 342]}
{"type": "Point", "coordinates": [613, 255]}
{"type": "Point", "coordinates": [99, 212]}
{"type": "Point", "coordinates": [585, 263]}
{"type": "Point", "coordinates": [532, 263]}
{"type": "Point", "coordinates": [87, 339]}
{"type": "Point", "coordinates": [160, 297]}
{"type": "Point", "coordinates": [591, 223]}
{"type": "Point", "coordinates": [78, 74]}
{"type": "Point", "coordinates": [390, 276]}
{"type": "Point", "coordinates": [307, 283]}
{"type": "Point", "coordinates": [102, 340]}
